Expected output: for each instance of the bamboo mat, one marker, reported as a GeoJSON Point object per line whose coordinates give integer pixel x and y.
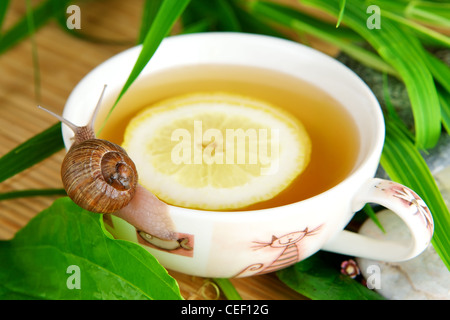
{"type": "Point", "coordinates": [63, 61]}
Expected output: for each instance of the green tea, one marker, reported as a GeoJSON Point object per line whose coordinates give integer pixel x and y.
{"type": "Point", "coordinates": [333, 133]}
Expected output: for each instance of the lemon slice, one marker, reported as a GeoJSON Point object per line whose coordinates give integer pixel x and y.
{"type": "Point", "coordinates": [217, 150]}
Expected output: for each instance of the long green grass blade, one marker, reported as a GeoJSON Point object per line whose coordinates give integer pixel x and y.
{"type": "Point", "coordinates": [391, 112]}
{"type": "Point", "coordinates": [4, 4]}
{"type": "Point", "coordinates": [227, 16]}
{"type": "Point", "coordinates": [34, 52]}
{"type": "Point", "coordinates": [437, 14]}
{"type": "Point", "coordinates": [423, 31]}
{"type": "Point", "coordinates": [31, 152]}
{"type": "Point", "coordinates": [32, 193]}
{"type": "Point", "coordinates": [403, 163]}
{"type": "Point", "coordinates": [368, 210]}
{"type": "Point", "coordinates": [199, 11]}
{"type": "Point", "coordinates": [341, 12]}
{"type": "Point", "coordinates": [227, 288]}
{"type": "Point", "coordinates": [405, 53]}
{"type": "Point", "coordinates": [199, 26]}
{"type": "Point", "coordinates": [253, 24]}
{"type": "Point", "coordinates": [149, 12]}
{"type": "Point", "coordinates": [203, 16]}
{"type": "Point", "coordinates": [440, 71]}
{"type": "Point", "coordinates": [429, 12]}
{"type": "Point", "coordinates": [167, 14]}
{"type": "Point", "coordinates": [218, 15]}
{"type": "Point", "coordinates": [284, 14]}
{"type": "Point", "coordinates": [300, 22]}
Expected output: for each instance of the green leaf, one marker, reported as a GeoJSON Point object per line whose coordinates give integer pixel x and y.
{"type": "Point", "coordinates": [168, 13]}
{"type": "Point", "coordinates": [319, 278]}
{"type": "Point", "coordinates": [404, 52]}
{"type": "Point", "coordinates": [31, 152]}
{"type": "Point", "coordinates": [35, 264]}
{"type": "Point", "coordinates": [403, 163]}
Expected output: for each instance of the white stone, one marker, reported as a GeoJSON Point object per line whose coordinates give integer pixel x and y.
{"type": "Point", "coordinates": [422, 278]}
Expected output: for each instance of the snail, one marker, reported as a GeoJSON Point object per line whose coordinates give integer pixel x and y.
{"type": "Point", "coordinates": [99, 176]}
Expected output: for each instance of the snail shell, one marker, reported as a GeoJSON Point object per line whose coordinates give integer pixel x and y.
{"type": "Point", "coordinates": [99, 176]}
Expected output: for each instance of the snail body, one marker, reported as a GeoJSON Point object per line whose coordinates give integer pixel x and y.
{"type": "Point", "coordinates": [99, 176]}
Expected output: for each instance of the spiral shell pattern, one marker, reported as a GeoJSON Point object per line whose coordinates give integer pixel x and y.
{"type": "Point", "coordinates": [99, 176]}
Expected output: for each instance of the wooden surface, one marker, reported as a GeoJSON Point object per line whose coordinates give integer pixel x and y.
{"type": "Point", "coordinates": [63, 61]}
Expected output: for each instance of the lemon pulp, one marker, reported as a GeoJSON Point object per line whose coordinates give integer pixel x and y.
{"type": "Point", "coordinates": [216, 151]}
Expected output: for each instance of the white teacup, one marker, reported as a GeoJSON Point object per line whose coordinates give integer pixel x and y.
{"type": "Point", "coordinates": [222, 244]}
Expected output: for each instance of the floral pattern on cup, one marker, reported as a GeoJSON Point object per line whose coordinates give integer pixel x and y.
{"type": "Point", "coordinates": [410, 199]}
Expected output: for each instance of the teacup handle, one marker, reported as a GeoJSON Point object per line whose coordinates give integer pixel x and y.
{"type": "Point", "coordinates": [402, 201]}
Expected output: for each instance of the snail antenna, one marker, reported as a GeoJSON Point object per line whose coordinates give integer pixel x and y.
{"type": "Point", "coordinates": [66, 122]}
{"type": "Point", "coordinates": [97, 108]}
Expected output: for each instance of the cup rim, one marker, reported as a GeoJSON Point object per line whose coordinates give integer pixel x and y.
{"type": "Point", "coordinates": [373, 155]}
